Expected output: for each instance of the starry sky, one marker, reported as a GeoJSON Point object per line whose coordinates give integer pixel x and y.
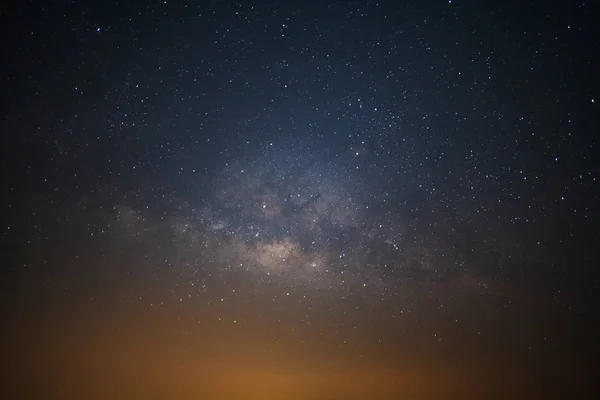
{"type": "Point", "coordinates": [300, 199]}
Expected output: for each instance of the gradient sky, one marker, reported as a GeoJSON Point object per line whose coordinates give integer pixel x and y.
{"type": "Point", "coordinates": [300, 200]}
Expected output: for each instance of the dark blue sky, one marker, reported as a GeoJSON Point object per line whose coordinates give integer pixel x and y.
{"type": "Point", "coordinates": [358, 160]}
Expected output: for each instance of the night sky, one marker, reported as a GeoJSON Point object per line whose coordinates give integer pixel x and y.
{"type": "Point", "coordinates": [300, 200]}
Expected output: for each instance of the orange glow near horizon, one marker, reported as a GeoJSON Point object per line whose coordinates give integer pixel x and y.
{"type": "Point", "coordinates": [131, 357]}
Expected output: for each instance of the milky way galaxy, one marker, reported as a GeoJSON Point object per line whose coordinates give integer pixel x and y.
{"type": "Point", "coordinates": [300, 200]}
